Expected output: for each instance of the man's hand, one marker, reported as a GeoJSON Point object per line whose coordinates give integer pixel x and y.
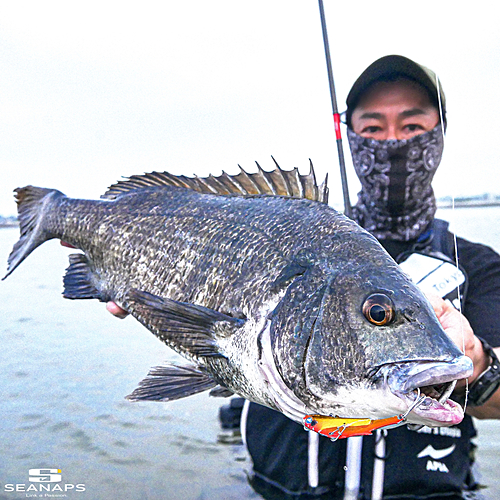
{"type": "Point", "coordinates": [65, 244]}
{"type": "Point", "coordinates": [116, 310]}
{"type": "Point", "coordinates": [459, 330]}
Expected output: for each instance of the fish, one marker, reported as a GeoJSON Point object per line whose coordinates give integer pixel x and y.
{"type": "Point", "coordinates": [265, 290]}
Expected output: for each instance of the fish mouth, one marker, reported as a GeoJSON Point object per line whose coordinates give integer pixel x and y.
{"type": "Point", "coordinates": [433, 379]}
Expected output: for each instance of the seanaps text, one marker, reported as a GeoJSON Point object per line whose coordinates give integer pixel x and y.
{"type": "Point", "coordinates": [40, 488]}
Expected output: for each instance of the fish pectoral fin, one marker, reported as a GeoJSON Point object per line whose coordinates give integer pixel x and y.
{"type": "Point", "coordinates": [190, 327]}
{"type": "Point", "coordinates": [78, 279]}
{"type": "Point", "coordinates": [288, 273]}
{"type": "Point", "coordinates": [170, 382]}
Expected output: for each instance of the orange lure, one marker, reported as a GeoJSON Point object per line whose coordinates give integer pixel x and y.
{"type": "Point", "coordinates": [341, 428]}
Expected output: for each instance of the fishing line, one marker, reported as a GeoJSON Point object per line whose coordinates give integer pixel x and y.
{"type": "Point", "coordinates": [455, 246]}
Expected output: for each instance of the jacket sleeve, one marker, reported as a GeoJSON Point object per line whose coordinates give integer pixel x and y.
{"type": "Point", "coordinates": [482, 301]}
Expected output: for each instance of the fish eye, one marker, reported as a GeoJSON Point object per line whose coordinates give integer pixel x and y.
{"type": "Point", "coordinates": [378, 309]}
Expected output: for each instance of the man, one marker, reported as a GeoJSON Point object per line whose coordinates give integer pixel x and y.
{"type": "Point", "coordinates": [396, 120]}
{"type": "Point", "coordinates": [395, 117]}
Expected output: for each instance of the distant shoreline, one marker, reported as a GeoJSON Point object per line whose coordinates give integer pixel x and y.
{"type": "Point", "coordinates": [468, 204]}
{"type": "Point", "coordinates": [12, 221]}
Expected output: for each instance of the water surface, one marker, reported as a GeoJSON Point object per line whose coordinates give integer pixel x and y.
{"type": "Point", "coordinates": [67, 365]}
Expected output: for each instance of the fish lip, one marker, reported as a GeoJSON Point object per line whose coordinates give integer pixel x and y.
{"type": "Point", "coordinates": [435, 379]}
{"type": "Point", "coordinates": [423, 374]}
{"type": "Point", "coordinates": [434, 412]}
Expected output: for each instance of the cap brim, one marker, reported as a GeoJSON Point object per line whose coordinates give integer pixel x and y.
{"type": "Point", "coordinates": [392, 66]}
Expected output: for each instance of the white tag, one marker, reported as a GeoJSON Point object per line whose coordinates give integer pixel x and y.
{"type": "Point", "coordinates": [433, 274]}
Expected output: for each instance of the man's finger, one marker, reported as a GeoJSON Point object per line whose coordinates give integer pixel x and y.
{"type": "Point", "coordinates": [64, 244]}
{"type": "Point", "coordinates": [116, 310]}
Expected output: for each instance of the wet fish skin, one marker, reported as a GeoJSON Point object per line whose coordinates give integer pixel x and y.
{"type": "Point", "coordinates": [218, 278]}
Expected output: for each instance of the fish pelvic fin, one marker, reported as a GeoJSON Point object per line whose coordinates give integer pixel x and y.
{"type": "Point", "coordinates": [170, 382]}
{"type": "Point", "coordinates": [277, 182]}
{"type": "Point", "coordinates": [189, 328]}
{"type": "Point", "coordinates": [78, 279]}
{"type": "Point", "coordinates": [221, 392]}
{"type": "Point", "coordinates": [32, 203]}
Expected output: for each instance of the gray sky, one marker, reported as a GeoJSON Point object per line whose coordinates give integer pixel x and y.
{"type": "Point", "coordinates": [93, 91]}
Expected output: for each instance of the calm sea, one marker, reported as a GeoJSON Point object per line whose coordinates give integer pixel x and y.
{"type": "Point", "coordinates": [66, 367]}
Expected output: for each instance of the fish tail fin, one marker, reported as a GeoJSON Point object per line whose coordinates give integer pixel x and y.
{"type": "Point", "coordinates": [31, 207]}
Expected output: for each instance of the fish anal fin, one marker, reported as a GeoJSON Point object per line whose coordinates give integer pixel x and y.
{"type": "Point", "coordinates": [187, 327]}
{"type": "Point", "coordinates": [170, 382]}
{"type": "Point", "coordinates": [78, 279]}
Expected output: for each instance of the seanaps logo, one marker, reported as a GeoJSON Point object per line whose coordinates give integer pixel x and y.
{"type": "Point", "coordinates": [44, 483]}
{"type": "Point", "coordinates": [45, 475]}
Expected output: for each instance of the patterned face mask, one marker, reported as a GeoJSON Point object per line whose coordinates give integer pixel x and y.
{"type": "Point", "coordinates": [396, 200]}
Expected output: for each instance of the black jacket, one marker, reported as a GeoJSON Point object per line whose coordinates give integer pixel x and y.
{"type": "Point", "coordinates": [425, 464]}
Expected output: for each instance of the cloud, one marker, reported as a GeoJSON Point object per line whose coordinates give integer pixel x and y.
{"type": "Point", "coordinates": [91, 92]}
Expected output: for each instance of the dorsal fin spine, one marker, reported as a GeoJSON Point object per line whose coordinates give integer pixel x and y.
{"type": "Point", "coordinates": [218, 185]}
{"type": "Point", "coordinates": [284, 178]}
{"type": "Point", "coordinates": [278, 182]}
{"type": "Point", "coordinates": [267, 179]}
{"type": "Point", "coordinates": [228, 179]}
{"type": "Point", "coordinates": [248, 177]}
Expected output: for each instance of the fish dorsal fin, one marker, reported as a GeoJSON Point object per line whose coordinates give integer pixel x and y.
{"type": "Point", "coordinates": [278, 182]}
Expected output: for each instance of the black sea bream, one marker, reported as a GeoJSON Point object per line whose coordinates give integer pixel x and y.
{"type": "Point", "coordinates": [270, 295]}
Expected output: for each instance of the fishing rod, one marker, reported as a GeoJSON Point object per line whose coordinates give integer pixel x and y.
{"type": "Point", "coordinates": [336, 116]}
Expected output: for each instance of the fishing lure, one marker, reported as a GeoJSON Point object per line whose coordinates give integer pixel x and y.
{"type": "Point", "coordinates": [341, 428]}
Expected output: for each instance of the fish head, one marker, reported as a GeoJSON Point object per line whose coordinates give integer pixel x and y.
{"type": "Point", "coordinates": [354, 337]}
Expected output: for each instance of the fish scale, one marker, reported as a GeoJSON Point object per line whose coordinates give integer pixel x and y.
{"type": "Point", "coordinates": [264, 294]}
